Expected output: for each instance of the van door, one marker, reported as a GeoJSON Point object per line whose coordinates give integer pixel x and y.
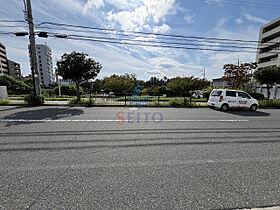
{"type": "Point", "coordinates": [231, 97]}
{"type": "Point", "coordinates": [215, 97]}
{"type": "Point", "coordinates": [244, 100]}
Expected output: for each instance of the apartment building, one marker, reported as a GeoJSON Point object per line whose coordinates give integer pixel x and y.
{"type": "Point", "coordinates": [14, 70]}
{"type": "Point", "coordinates": [45, 65]}
{"type": "Point", "coordinates": [220, 83]}
{"type": "Point", "coordinates": [268, 55]}
{"type": "Point", "coordinates": [3, 60]}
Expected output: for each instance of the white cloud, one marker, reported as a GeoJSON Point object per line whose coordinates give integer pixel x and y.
{"type": "Point", "coordinates": [189, 18]}
{"type": "Point", "coordinates": [129, 20]}
{"type": "Point", "coordinates": [93, 4]}
{"type": "Point", "coordinates": [212, 1]}
{"type": "Point", "coordinates": [148, 12]}
{"type": "Point", "coordinates": [239, 21]}
{"type": "Point", "coordinates": [255, 19]}
{"type": "Point", "coordinates": [123, 4]}
{"type": "Point", "coordinates": [221, 22]}
{"type": "Point", "coordinates": [162, 29]}
{"type": "Point", "coordinates": [169, 67]}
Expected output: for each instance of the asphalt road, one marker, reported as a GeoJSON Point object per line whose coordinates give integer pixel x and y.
{"type": "Point", "coordinates": [96, 158]}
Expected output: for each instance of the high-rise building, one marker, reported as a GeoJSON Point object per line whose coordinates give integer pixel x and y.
{"type": "Point", "coordinates": [269, 42]}
{"type": "Point", "coordinates": [45, 65]}
{"type": "Point", "coordinates": [3, 60]}
{"type": "Point", "coordinates": [14, 69]}
{"type": "Point", "coordinates": [268, 55]}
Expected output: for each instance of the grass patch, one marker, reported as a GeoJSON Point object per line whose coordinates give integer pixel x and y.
{"type": "Point", "coordinates": [182, 102]}
{"type": "Point", "coordinates": [3, 102]}
{"type": "Point", "coordinates": [269, 103]}
{"type": "Point", "coordinates": [16, 97]}
{"type": "Point", "coordinates": [82, 101]}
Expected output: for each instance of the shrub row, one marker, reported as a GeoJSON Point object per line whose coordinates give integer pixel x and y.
{"type": "Point", "coordinates": [269, 103]}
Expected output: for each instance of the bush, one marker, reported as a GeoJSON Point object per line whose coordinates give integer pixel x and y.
{"type": "Point", "coordinates": [34, 100]}
{"type": "Point", "coordinates": [3, 102]}
{"type": "Point", "coordinates": [257, 96]}
{"type": "Point", "coordinates": [48, 92]}
{"type": "Point", "coordinates": [269, 103]}
{"type": "Point", "coordinates": [69, 90]}
{"type": "Point", "coordinates": [82, 101]}
{"type": "Point", "coordinates": [206, 92]}
{"type": "Point", "coordinates": [175, 102]}
{"type": "Point", "coordinates": [14, 86]}
{"type": "Point", "coordinates": [181, 103]}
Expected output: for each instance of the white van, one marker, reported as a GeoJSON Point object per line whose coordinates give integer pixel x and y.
{"type": "Point", "coordinates": [232, 99]}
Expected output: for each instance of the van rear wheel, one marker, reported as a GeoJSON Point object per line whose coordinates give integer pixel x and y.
{"type": "Point", "coordinates": [224, 107]}
{"type": "Point", "coordinates": [254, 107]}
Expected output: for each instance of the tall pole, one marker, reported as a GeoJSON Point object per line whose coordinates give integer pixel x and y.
{"type": "Point", "coordinates": [204, 73]}
{"type": "Point", "coordinates": [32, 49]}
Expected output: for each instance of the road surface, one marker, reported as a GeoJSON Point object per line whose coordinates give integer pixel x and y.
{"type": "Point", "coordinates": [138, 158]}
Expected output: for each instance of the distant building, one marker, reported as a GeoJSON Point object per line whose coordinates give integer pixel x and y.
{"type": "Point", "coordinates": [45, 65]}
{"type": "Point", "coordinates": [220, 83]}
{"type": "Point", "coordinates": [268, 55]}
{"type": "Point", "coordinates": [3, 60]}
{"type": "Point", "coordinates": [66, 82]}
{"type": "Point", "coordinates": [29, 76]}
{"type": "Point", "coordinates": [14, 69]}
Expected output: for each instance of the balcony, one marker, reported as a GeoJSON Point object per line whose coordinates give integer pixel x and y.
{"type": "Point", "coordinates": [270, 32]}
{"type": "Point", "coordinates": [267, 54]}
{"type": "Point", "coordinates": [269, 63]}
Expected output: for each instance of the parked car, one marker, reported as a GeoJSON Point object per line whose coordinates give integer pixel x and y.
{"type": "Point", "coordinates": [225, 99]}
{"type": "Point", "coordinates": [197, 94]}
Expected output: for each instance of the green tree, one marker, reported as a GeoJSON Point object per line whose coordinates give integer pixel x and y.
{"type": "Point", "coordinates": [238, 75]}
{"type": "Point", "coordinates": [97, 85]}
{"type": "Point", "coordinates": [79, 68]}
{"type": "Point", "coordinates": [119, 84]}
{"type": "Point", "coordinates": [15, 86]}
{"type": "Point", "coordinates": [70, 90]}
{"type": "Point", "coordinates": [154, 81]}
{"type": "Point", "coordinates": [268, 76]}
{"type": "Point", "coordinates": [29, 82]}
{"type": "Point", "coordinates": [182, 86]}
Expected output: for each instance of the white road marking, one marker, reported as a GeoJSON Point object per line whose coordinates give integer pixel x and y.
{"type": "Point", "coordinates": [103, 120]}
{"type": "Point", "coordinates": [133, 109]}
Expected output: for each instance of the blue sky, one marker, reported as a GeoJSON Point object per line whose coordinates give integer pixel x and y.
{"type": "Point", "coordinates": [210, 18]}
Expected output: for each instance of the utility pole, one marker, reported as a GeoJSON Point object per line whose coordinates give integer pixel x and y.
{"type": "Point", "coordinates": [204, 73]}
{"type": "Point", "coordinates": [32, 48]}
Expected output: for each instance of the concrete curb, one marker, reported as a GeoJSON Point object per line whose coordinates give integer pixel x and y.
{"type": "Point", "coordinates": [127, 106]}
{"type": "Point", "coordinates": [84, 105]}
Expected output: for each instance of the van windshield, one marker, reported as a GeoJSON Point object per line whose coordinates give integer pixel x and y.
{"type": "Point", "coordinates": [216, 93]}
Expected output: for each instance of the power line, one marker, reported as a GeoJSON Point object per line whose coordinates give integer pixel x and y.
{"type": "Point", "coordinates": [141, 36]}
{"type": "Point", "coordinates": [12, 21]}
{"type": "Point", "coordinates": [254, 2]}
{"type": "Point", "coordinates": [12, 26]}
{"type": "Point", "coordinates": [222, 42]}
{"type": "Point", "coordinates": [156, 34]}
{"type": "Point", "coordinates": [159, 46]}
{"type": "Point", "coordinates": [248, 4]}
{"type": "Point", "coordinates": [161, 42]}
